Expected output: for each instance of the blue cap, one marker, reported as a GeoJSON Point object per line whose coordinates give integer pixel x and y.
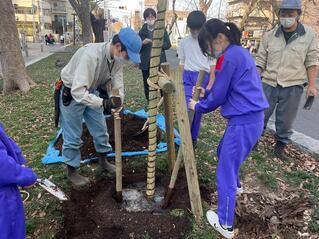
{"type": "Point", "coordinates": [290, 4]}
{"type": "Point", "coordinates": [133, 43]}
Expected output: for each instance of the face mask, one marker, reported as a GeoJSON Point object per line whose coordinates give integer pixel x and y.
{"type": "Point", "coordinates": [217, 54]}
{"type": "Point", "coordinates": [287, 22]}
{"type": "Point", "coordinates": [121, 60]}
{"type": "Point", "coordinates": [150, 22]}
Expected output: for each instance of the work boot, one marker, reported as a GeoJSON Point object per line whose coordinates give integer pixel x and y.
{"type": "Point", "coordinates": [105, 164]}
{"type": "Point", "coordinates": [280, 152]}
{"type": "Point", "coordinates": [75, 178]}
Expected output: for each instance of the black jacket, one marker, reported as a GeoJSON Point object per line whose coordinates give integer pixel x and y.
{"type": "Point", "coordinates": [146, 49]}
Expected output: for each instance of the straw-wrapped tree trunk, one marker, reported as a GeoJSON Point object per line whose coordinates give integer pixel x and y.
{"type": "Point", "coordinates": [158, 35]}
{"type": "Point", "coordinates": [12, 63]}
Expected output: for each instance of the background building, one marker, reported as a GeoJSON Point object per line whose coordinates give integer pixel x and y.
{"type": "Point", "coordinates": [36, 18]}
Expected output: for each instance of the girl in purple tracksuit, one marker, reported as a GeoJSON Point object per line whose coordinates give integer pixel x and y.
{"type": "Point", "coordinates": [238, 91]}
{"type": "Point", "coordinates": [12, 175]}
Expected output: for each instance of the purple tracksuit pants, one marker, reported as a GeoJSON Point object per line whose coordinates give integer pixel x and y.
{"type": "Point", "coordinates": [240, 136]}
{"type": "Point", "coordinates": [190, 78]}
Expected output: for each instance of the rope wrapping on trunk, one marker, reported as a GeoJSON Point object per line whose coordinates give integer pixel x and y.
{"type": "Point", "coordinates": [158, 35]}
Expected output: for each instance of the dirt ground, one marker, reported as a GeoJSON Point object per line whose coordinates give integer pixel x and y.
{"type": "Point", "coordinates": [94, 213]}
{"type": "Point", "coordinates": [130, 125]}
{"type": "Point", "coordinates": [261, 213]}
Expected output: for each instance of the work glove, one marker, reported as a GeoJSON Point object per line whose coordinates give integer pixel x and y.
{"type": "Point", "coordinates": [113, 102]}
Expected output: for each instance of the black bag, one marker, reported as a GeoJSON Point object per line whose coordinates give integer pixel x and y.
{"type": "Point", "coordinates": [66, 96]}
{"type": "Point", "coordinates": [57, 92]}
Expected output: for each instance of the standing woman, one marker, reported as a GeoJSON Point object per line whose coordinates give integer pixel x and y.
{"type": "Point", "coordinates": [146, 34]}
{"type": "Point", "coordinates": [238, 91]}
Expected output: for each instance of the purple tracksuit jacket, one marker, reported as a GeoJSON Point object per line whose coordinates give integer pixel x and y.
{"type": "Point", "coordinates": [12, 175]}
{"type": "Point", "coordinates": [238, 91]}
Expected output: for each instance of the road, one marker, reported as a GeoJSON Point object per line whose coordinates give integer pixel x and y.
{"type": "Point", "coordinates": [305, 123]}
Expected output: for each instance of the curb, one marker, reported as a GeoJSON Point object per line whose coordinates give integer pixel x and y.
{"type": "Point", "coordinates": [302, 141]}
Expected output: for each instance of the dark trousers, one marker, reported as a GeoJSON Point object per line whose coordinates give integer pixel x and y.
{"type": "Point", "coordinates": [146, 74]}
{"type": "Point", "coordinates": [285, 103]}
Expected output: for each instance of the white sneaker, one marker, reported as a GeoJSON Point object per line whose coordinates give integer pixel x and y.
{"type": "Point", "coordinates": [213, 220]}
{"type": "Point", "coordinates": [240, 191]}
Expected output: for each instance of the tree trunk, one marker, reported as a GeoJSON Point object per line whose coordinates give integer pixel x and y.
{"type": "Point", "coordinates": [12, 63]}
{"type": "Point", "coordinates": [204, 5]}
{"type": "Point", "coordinates": [82, 9]}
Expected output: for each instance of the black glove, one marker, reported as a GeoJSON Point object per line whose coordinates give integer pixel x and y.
{"type": "Point", "coordinates": [113, 103]}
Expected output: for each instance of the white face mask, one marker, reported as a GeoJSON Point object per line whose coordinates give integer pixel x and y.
{"type": "Point", "coordinates": [150, 22]}
{"type": "Point", "coordinates": [121, 60]}
{"type": "Point", "coordinates": [217, 54]}
{"type": "Point", "coordinates": [287, 22]}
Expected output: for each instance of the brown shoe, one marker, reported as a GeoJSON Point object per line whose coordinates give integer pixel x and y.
{"type": "Point", "coordinates": [280, 152]}
{"type": "Point", "coordinates": [104, 164]}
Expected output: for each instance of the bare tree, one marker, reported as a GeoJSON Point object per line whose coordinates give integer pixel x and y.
{"type": "Point", "coordinates": [82, 9]}
{"type": "Point", "coordinates": [12, 63]}
{"type": "Point", "coordinates": [248, 8]}
{"type": "Point", "coordinates": [174, 18]}
{"type": "Point", "coordinates": [204, 5]}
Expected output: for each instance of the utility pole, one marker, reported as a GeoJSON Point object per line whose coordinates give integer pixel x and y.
{"type": "Point", "coordinates": [73, 28]}
{"type": "Point", "coordinates": [220, 4]}
{"type": "Point", "coordinates": [33, 21]}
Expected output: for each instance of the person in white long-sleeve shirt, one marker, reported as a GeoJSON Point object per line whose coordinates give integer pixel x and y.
{"type": "Point", "coordinates": [93, 69]}
{"type": "Point", "coordinates": [192, 59]}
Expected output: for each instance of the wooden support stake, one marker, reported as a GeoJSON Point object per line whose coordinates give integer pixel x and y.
{"type": "Point", "coordinates": [179, 159]}
{"type": "Point", "coordinates": [118, 149]}
{"type": "Point", "coordinates": [169, 122]}
{"type": "Point", "coordinates": [187, 148]}
{"type": "Point", "coordinates": [199, 82]}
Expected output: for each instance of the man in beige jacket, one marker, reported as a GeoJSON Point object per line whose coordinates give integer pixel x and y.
{"type": "Point", "coordinates": [287, 56]}
{"type": "Point", "coordinates": [92, 66]}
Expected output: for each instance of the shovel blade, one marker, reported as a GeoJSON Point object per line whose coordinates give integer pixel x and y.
{"type": "Point", "coordinates": [52, 189]}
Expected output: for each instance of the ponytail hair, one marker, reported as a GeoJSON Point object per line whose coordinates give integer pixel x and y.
{"type": "Point", "coordinates": [212, 28]}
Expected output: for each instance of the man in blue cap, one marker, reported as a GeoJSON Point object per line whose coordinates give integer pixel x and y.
{"type": "Point", "coordinates": [288, 55]}
{"type": "Point", "coordinates": [94, 66]}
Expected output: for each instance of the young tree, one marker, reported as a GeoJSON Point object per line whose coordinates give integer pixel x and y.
{"type": "Point", "coordinates": [204, 5]}
{"type": "Point", "coordinates": [12, 63]}
{"type": "Point", "coordinates": [82, 9]}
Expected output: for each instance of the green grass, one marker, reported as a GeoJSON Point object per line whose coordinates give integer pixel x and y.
{"type": "Point", "coordinates": [29, 119]}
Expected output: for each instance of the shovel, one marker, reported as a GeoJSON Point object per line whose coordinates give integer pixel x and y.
{"type": "Point", "coordinates": [52, 189]}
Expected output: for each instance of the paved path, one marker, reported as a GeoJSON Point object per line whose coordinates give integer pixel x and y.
{"type": "Point", "coordinates": [35, 54]}
{"type": "Point", "coordinates": [306, 126]}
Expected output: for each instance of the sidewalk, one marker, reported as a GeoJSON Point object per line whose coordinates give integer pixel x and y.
{"type": "Point", "coordinates": [35, 54]}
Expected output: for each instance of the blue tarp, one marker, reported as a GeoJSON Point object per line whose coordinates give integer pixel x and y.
{"type": "Point", "coordinates": [52, 154]}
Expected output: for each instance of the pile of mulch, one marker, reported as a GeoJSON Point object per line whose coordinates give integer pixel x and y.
{"type": "Point", "coordinates": [94, 213]}
{"type": "Point", "coordinates": [130, 125]}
